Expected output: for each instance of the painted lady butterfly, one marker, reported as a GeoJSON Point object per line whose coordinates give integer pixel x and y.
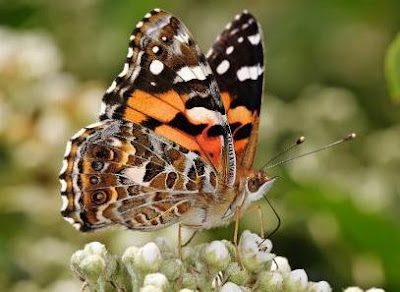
{"type": "Point", "coordinates": [177, 135]}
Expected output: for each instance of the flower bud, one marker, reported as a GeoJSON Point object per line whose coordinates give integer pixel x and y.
{"type": "Point", "coordinates": [95, 248]}
{"type": "Point", "coordinates": [92, 267]}
{"type": "Point", "coordinates": [321, 286]}
{"type": "Point", "coordinates": [236, 274]}
{"type": "Point", "coordinates": [148, 258]}
{"type": "Point", "coordinates": [90, 263]}
{"type": "Point", "coordinates": [217, 255]}
{"type": "Point", "coordinates": [172, 269]}
{"type": "Point", "coordinates": [255, 251]}
{"type": "Point", "coordinates": [128, 258]}
{"type": "Point", "coordinates": [76, 259]}
{"type": "Point", "coordinates": [188, 281]}
{"type": "Point", "coordinates": [280, 264]}
{"type": "Point", "coordinates": [297, 280]}
{"type": "Point", "coordinates": [269, 281]}
{"type": "Point", "coordinates": [157, 280]}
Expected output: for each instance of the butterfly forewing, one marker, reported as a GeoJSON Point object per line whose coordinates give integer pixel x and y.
{"type": "Point", "coordinates": [237, 59]}
{"type": "Point", "coordinates": [167, 86]}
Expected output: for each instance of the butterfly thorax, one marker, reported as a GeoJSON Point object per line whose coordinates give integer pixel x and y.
{"type": "Point", "coordinates": [219, 209]}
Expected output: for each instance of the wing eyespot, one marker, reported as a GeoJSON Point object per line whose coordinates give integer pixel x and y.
{"type": "Point", "coordinates": [94, 180]}
{"type": "Point", "coordinates": [97, 165]}
{"type": "Point", "coordinates": [99, 197]}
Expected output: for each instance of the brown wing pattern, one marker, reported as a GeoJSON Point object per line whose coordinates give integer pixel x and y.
{"type": "Point", "coordinates": [117, 172]}
{"type": "Point", "coordinates": [237, 60]}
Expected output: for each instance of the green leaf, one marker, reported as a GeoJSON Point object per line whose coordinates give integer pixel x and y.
{"type": "Point", "coordinates": [392, 68]}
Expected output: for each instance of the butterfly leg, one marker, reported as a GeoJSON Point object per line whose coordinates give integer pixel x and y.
{"type": "Point", "coordinates": [235, 235]}
{"type": "Point", "coordinates": [180, 241]}
{"type": "Point", "coordinates": [190, 238]}
{"type": "Point", "coordinates": [260, 218]}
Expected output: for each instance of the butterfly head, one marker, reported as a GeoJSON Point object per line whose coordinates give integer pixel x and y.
{"type": "Point", "coordinates": [256, 185]}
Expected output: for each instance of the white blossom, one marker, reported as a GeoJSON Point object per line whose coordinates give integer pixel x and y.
{"type": "Point", "coordinates": [217, 255]}
{"type": "Point", "coordinates": [255, 251]}
{"type": "Point", "coordinates": [280, 264]}
{"type": "Point", "coordinates": [148, 257]}
{"type": "Point", "coordinates": [321, 286]}
{"type": "Point", "coordinates": [298, 278]}
{"type": "Point", "coordinates": [157, 280]}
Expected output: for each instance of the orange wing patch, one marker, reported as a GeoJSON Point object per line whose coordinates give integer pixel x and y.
{"type": "Point", "coordinates": [244, 126]}
{"type": "Point", "coordinates": [170, 119]}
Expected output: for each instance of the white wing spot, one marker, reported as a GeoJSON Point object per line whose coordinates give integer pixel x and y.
{"type": "Point", "coordinates": [152, 83]}
{"type": "Point", "coordinates": [124, 71]}
{"type": "Point", "coordinates": [132, 37]}
{"type": "Point", "coordinates": [112, 87]}
{"type": "Point", "coordinates": [70, 220]}
{"type": "Point", "coordinates": [64, 166]}
{"type": "Point", "coordinates": [251, 72]}
{"type": "Point", "coordinates": [140, 24]}
{"type": "Point", "coordinates": [157, 9]}
{"type": "Point", "coordinates": [164, 38]}
{"type": "Point", "coordinates": [237, 16]}
{"type": "Point", "coordinates": [64, 198]}
{"type": "Point", "coordinates": [156, 67]}
{"type": "Point", "coordinates": [228, 26]}
{"type": "Point", "coordinates": [223, 67]}
{"type": "Point", "coordinates": [190, 73]}
{"type": "Point", "coordinates": [63, 186]}
{"type": "Point", "coordinates": [240, 40]}
{"type": "Point", "coordinates": [155, 49]}
{"type": "Point", "coordinates": [229, 50]}
{"type": "Point", "coordinates": [233, 32]}
{"type": "Point", "coordinates": [95, 125]}
{"type": "Point", "coordinates": [68, 148]}
{"type": "Point", "coordinates": [78, 134]}
{"type": "Point", "coordinates": [202, 114]}
{"type": "Point", "coordinates": [148, 15]}
{"type": "Point", "coordinates": [136, 174]}
{"type": "Point", "coordinates": [130, 52]}
{"type": "Point", "coordinates": [209, 53]}
{"type": "Point", "coordinates": [254, 39]}
{"type": "Point", "coordinates": [198, 71]}
{"type": "Point", "coordinates": [103, 108]}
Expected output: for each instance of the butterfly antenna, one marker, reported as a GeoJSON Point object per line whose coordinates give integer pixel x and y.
{"type": "Point", "coordinates": [284, 151]}
{"type": "Point", "coordinates": [349, 137]}
{"type": "Point", "coordinates": [277, 217]}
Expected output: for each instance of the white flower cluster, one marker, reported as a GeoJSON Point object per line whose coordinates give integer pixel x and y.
{"type": "Point", "coordinates": [155, 267]}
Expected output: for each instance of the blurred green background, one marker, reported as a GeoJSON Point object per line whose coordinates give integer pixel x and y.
{"type": "Point", "coordinates": [324, 79]}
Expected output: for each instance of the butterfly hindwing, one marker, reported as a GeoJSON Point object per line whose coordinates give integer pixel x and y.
{"type": "Point", "coordinates": [118, 172]}
{"type": "Point", "coordinates": [167, 86]}
{"type": "Point", "coordinates": [237, 59]}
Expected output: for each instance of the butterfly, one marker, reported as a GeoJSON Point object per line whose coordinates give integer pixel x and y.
{"type": "Point", "coordinates": [177, 133]}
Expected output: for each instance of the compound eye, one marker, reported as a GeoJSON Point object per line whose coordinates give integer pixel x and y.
{"type": "Point", "coordinates": [99, 197]}
{"type": "Point", "coordinates": [253, 185]}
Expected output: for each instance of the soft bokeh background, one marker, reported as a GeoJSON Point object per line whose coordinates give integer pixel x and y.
{"type": "Point", "coordinates": [324, 79]}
